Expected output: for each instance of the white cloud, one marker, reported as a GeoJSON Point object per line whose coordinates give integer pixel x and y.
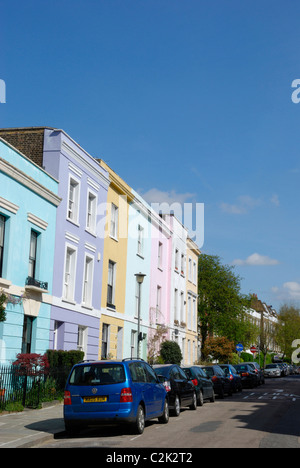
{"type": "Point", "coordinates": [256, 260]}
{"type": "Point", "coordinates": [293, 289]}
{"type": "Point", "coordinates": [243, 205]}
{"type": "Point", "coordinates": [275, 200]}
{"type": "Point", "coordinates": [158, 196]}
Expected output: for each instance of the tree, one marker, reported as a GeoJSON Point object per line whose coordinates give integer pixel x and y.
{"type": "Point", "coordinates": [170, 352]}
{"type": "Point", "coordinates": [221, 309]}
{"type": "Point", "coordinates": [288, 329]}
{"type": "Point", "coordinates": [219, 348]}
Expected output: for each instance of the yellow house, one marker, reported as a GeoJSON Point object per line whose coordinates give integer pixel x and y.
{"type": "Point", "coordinates": [114, 267]}
{"type": "Point", "coordinates": [191, 338]}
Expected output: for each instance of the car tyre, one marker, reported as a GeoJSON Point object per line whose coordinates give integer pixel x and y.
{"type": "Point", "coordinates": [193, 406]}
{"type": "Point", "coordinates": [139, 425]}
{"type": "Point", "coordinates": [176, 410]}
{"type": "Point", "coordinates": [164, 419]}
{"type": "Point", "coordinates": [200, 399]}
{"type": "Point", "coordinates": [213, 398]}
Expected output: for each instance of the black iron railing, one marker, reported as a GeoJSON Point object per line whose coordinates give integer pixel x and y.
{"type": "Point", "coordinates": [34, 282]}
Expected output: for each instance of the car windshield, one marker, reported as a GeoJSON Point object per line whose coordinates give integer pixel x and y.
{"type": "Point", "coordinates": [162, 371]}
{"type": "Point", "coordinates": [209, 371]}
{"type": "Point", "coordinates": [272, 366]}
{"type": "Point", "coordinates": [225, 370]}
{"type": "Point", "coordinates": [241, 368]}
{"type": "Point", "coordinates": [98, 374]}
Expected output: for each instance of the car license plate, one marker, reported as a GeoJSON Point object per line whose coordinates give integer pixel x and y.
{"type": "Point", "coordinates": [101, 399]}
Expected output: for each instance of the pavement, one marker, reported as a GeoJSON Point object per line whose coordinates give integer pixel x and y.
{"type": "Point", "coordinates": [30, 428]}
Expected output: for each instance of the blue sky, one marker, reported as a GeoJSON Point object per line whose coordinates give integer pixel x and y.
{"type": "Point", "coordinates": [188, 101]}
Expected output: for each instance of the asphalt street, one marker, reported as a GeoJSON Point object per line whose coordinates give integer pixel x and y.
{"type": "Point", "coordinates": [265, 417]}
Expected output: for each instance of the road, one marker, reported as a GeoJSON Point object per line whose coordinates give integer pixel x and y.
{"type": "Point", "coordinates": [265, 417]}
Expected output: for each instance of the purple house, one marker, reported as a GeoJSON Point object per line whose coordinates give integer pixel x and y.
{"type": "Point", "coordinates": [79, 242]}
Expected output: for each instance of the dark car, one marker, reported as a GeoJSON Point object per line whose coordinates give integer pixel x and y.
{"type": "Point", "coordinates": [182, 391]}
{"type": "Point", "coordinates": [204, 386]}
{"type": "Point", "coordinates": [114, 392]}
{"type": "Point", "coordinates": [221, 383]}
{"type": "Point", "coordinates": [234, 377]}
{"type": "Point", "coordinates": [249, 378]}
{"type": "Point", "coordinates": [258, 371]}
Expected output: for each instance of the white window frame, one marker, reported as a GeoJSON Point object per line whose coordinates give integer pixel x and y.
{"type": "Point", "coordinates": [114, 221]}
{"type": "Point", "coordinates": [91, 212]}
{"type": "Point", "coordinates": [190, 272]}
{"type": "Point", "coordinates": [140, 243]}
{"type": "Point", "coordinates": [182, 308]}
{"type": "Point", "coordinates": [113, 281]}
{"type": "Point", "coordinates": [158, 303]}
{"type": "Point", "coordinates": [71, 280]}
{"type": "Point", "coordinates": [88, 278]}
{"type": "Point", "coordinates": [160, 255]}
{"type": "Point", "coordinates": [195, 275]}
{"type": "Point", "coordinates": [82, 336]}
{"type": "Point", "coordinates": [73, 211]}
{"type": "Point", "coordinates": [189, 312]}
{"type": "Point", "coordinates": [176, 309]}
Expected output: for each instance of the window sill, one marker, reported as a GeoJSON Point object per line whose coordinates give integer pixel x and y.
{"type": "Point", "coordinates": [4, 282]}
{"type": "Point", "coordinates": [68, 301]}
{"type": "Point", "coordinates": [36, 289]}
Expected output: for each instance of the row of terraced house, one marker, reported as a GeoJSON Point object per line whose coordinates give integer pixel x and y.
{"type": "Point", "coordinates": [85, 262]}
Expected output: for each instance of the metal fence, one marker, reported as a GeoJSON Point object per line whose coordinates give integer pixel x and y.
{"type": "Point", "coordinates": [28, 388]}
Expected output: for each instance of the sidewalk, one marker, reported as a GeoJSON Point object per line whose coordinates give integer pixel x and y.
{"type": "Point", "coordinates": [30, 427]}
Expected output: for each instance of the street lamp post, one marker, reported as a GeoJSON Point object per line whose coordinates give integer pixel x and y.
{"type": "Point", "coordinates": [140, 278]}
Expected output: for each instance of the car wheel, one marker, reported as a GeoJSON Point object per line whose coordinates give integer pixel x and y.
{"type": "Point", "coordinates": [200, 399]}
{"type": "Point", "coordinates": [222, 394]}
{"type": "Point", "coordinates": [213, 398]}
{"type": "Point", "coordinates": [139, 424]}
{"type": "Point", "coordinates": [193, 406]}
{"type": "Point", "coordinates": [164, 419]}
{"type": "Point", "coordinates": [176, 410]}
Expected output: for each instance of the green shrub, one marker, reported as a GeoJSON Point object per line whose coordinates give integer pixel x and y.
{"type": "Point", "coordinates": [170, 352]}
{"type": "Point", "coordinates": [64, 358]}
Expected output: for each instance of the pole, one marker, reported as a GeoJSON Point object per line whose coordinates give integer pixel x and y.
{"type": "Point", "coordinates": [139, 322]}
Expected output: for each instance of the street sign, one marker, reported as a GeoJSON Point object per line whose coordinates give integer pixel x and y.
{"type": "Point", "coordinates": [253, 349]}
{"type": "Point", "coordinates": [239, 347]}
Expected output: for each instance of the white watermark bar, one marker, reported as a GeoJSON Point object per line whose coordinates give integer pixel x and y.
{"type": "Point", "coordinates": [190, 215]}
{"type": "Point", "coordinates": [2, 92]}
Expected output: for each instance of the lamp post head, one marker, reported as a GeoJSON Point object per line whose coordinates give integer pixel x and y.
{"type": "Point", "coordinates": [140, 277]}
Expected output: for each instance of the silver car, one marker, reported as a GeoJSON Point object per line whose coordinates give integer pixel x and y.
{"type": "Point", "coordinates": [272, 370]}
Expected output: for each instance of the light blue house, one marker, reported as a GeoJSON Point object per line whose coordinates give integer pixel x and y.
{"type": "Point", "coordinates": [28, 204]}
{"type": "Point", "coordinates": [138, 261]}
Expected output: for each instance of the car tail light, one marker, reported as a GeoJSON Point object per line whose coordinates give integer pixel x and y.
{"type": "Point", "coordinates": [245, 374]}
{"type": "Point", "coordinates": [67, 398]}
{"type": "Point", "coordinates": [214, 378]}
{"type": "Point", "coordinates": [231, 377]}
{"type": "Point", "coordinates": [167, 385]}
{"type": "Point", "coordinates": [126, 396]}
{"type": "Point", "coordinates": [195, 382]}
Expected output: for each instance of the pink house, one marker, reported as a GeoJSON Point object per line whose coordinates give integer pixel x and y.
{"type": "Point", "coordinates": [160, 284]}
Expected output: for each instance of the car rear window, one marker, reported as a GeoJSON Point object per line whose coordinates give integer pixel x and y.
{"type": "Point", "coordinates": [98, 374]}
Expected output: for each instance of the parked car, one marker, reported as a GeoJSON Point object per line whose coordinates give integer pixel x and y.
{"type": "Point", "coordinates": [284, 369]}
{"type": "Point", "coordinates": [204, 386]}
{"type": "Point", "coordinates": [249, 377]}
{"type": "Point", "coordinates": [182, 391]}
{"type": "Point", "coordinates": [258, 371]}
{"type": "Point", "coordinates": [234, 377]}
{"type": "Point", "coordinates": [272, 370]}
{"type": "Point", "coordinates": [125, 391]}
{"type": "Point", "coordinates": [221, 383]}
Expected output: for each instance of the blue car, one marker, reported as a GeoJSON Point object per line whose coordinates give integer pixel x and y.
{"type": "Point", "coordinates": [118, 392]}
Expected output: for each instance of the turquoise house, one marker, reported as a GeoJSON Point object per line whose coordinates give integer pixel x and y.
{"type": "Point", "coordinates": [138, 261]}
{"type": "Point", "coordinates": [28, 204]}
